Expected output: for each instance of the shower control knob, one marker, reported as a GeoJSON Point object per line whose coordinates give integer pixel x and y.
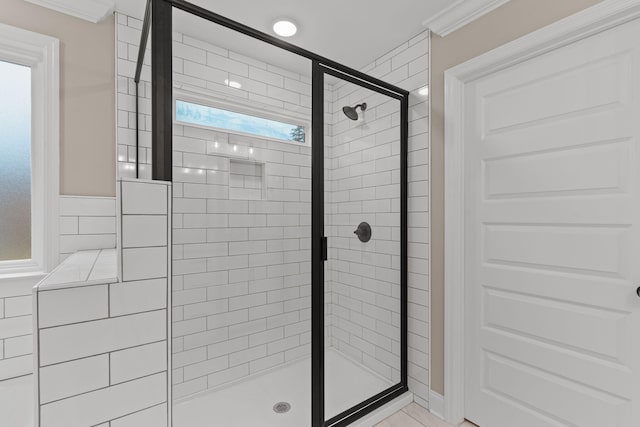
{"type": "Point", "coordinates": [363, 232]}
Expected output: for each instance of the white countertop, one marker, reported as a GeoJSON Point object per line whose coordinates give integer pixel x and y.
{"type": "Point", "coordinates": [84, 268]}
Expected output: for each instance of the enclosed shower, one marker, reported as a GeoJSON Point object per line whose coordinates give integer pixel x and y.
{"type": "Point", "coordinates": [289, 223]}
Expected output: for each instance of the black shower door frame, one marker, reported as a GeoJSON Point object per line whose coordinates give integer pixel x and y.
{"type": "Point", "coordinates": [158, 23]}
{"type": "Point", "coordinates": [319, 249]}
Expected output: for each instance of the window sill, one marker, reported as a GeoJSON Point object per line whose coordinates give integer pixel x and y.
{"type": "Point", "coordinates": [4, 277]}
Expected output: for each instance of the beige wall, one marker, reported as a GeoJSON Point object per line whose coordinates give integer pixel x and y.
{"type": "Point", "coordinates": [87, 95]}
{"type": "Point", "coordinates": [506, 23]}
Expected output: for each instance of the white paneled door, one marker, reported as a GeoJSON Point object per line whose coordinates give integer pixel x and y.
{"type": "Point", "coordinates": [552, 238]}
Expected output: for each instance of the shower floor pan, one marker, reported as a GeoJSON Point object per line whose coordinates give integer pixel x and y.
{"type": "Point", "coordinates": [251, 402]}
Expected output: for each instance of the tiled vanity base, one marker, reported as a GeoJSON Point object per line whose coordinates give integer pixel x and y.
{"type": "Point", "coordinates": [102, 349]}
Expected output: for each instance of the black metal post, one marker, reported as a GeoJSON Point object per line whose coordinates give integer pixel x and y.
{"type": "Point", "coordinates": [161, 83]}
{"type": "Point", "coordinates": [404, 202]}
{"type": "Point", "coordinates": [144, 37]}
{"type": "Point", "coordinates": [137, 133]}
{"type": "Point", "coordinates": [317, 246]}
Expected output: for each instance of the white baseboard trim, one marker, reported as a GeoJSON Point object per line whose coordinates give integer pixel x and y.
{"type": "Point", "coordinates": [436, 404]}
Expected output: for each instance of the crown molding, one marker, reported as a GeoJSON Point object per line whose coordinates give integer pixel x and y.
{"type": "Point", "coordinates": [459, 14]}
{"type": "Point", "coordinates": [89, 10]}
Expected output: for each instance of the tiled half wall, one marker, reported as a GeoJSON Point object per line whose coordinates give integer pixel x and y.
{"type": "Point", "coordinates": [85, 223]}
{"type": "Point", "coordinates": [103, 356]}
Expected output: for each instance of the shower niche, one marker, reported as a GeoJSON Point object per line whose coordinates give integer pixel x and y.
{"type": "Point", "coordinates": [246, 180]}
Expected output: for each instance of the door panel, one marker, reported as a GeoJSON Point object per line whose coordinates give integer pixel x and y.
{"type": "Point", "coordinates": [552, 238]}
{"type": "Point", "coordinates": [545, 174]}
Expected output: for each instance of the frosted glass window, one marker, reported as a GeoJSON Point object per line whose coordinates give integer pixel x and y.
{"type": "Point", "coordinates": [15, 162]}
{"type": "Point", "coordinates": [203, 115]}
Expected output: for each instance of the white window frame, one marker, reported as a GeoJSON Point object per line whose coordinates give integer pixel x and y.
{"type": "Point", "coordinates": [242, 107]}
{"type": "Point", "coordinates": [42, 54]}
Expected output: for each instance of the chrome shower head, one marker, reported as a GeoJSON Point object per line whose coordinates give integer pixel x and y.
{"type": "Point", "coordinates": [351, 111]}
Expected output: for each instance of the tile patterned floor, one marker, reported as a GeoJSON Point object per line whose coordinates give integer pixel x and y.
{"type": "Point", "coordinates": [413, 415]}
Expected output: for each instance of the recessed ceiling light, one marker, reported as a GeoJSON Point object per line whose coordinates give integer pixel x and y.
{"type": "Point", "coordinates": [284, 28]}
{"type": "Point", "coordinates": [232, 83]}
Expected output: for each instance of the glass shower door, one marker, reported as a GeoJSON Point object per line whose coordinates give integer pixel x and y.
{"type": "Point", "coordinates": [241, 230]}
{"type": "Point", "coordinates": [364, 271]}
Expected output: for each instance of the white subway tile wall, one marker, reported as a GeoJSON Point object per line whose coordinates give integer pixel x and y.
{"type": "Point", "coordinates": [241, 237]}
{"type": "Point", "coordinates": [241, 219]}
{"type": "Point", "coordinates": [241, 266]}
{"type": "Point", "coordinates": [362, 179]}
{"type": "Point", "coordinates": [85, 223]}
{"type": "Point", "coordinates": [363, 174]}
{"type": "Point", "coordinates": [408, 67]}
{"type": "Point", "coordinates": [16, 342]}
{"type": "Point", "coordinates": [128, 31]}
{"type": "Point", "coordinates": [103, 348]}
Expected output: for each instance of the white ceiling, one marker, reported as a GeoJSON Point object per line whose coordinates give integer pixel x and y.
{"type": "Point", "coordinates": [351, 32]}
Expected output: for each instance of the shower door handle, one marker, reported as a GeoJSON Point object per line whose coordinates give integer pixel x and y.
{"type": "Point", "coordinates": [325, 248]}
